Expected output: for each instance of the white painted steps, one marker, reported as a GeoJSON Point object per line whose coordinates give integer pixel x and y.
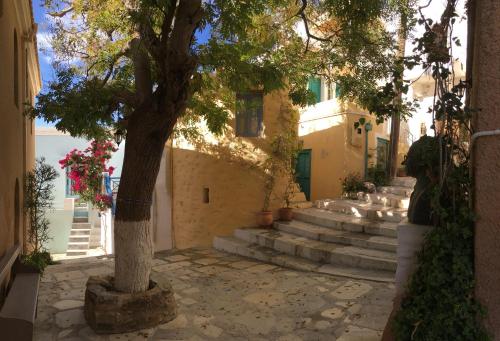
{"type": "Point", "coordinates": [319, 251]}
{"type": "Point", "coordinates": [345, 222]}
{"type": "Point", "coordinates": [315, 232]}
{"type": "Point", "coordinates": [353, 238]}
{"type": "Point", "coordinates": [363, 209]}
{"type": "Point", "coordinates": [79, 236]}
{"type": "Point", "coordinates": [243, 248]}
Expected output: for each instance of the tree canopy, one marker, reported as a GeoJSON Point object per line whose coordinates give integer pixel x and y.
{"type": "Point", "coordinates": [114, 56]}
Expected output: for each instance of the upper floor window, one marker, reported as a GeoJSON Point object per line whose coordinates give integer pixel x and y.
{"type": "Point", "coordinates": [314, 85]}
{"type": "Point", "coordinates": [16, 71]}
{"type": "Point", "coordinates": [322, 89]}
{"type": "Point", "coordinates": [249, 113]}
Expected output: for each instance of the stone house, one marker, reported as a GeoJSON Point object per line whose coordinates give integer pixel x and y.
{"type": "Point", "coordinates": [212, 187]}
{"type": "Point", "coordinates": [19, 83]}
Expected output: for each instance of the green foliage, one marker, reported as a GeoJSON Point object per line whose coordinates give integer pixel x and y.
{"type": "Point", "coordinates": [281, 162]}
{"type": "Point", "coordinates": [38, 259]}
{"type": "Point", "coordinates": [352, 183]}
{"type": "Point", "coordinates": [250, 45]}
{"type": "Point", "coordinates": [38, 199]}
{"type": "Point", "coordinates": [378, 176]}
{"type": "Point", "coordinates": [439, 302]}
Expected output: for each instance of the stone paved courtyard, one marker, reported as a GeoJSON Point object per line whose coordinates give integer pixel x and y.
{"type": "Point", "coordinates": [225, 297]}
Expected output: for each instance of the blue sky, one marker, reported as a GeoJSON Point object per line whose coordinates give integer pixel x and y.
{"type": "Point", "coordinates": [46, 69]}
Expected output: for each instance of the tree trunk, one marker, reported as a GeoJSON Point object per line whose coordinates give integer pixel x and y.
{"type": "Point", "coordinates": [133, 240]}
{"type": "Point", "coordinates": [396, 118]}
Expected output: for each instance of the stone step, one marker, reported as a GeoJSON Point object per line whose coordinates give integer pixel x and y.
{"type": "Point", "coordinates": [80, 214]}
{"type": "Point", "coordinates": [318, 251]}
{"type": "Point", "coordinates": [363, 209]}
{"type": "Point", "coordinates": [81, 225]}
{"type": "Point", "coordinates": [79, 238]}
{"type": "Point", "coordinates": [79, 232]}
{"type": "Point", "coordinates": [80, 219]}
{"type": "Point", "coordinates": [388, 200]}
{"type": "Point", "coordinates": [344, 222]}
{"type": "Point", "coordinates": [240, 247]}
{"type": "Point", "coordinates": [78, 245]}
{"type": "Point", "coordinates": [76, 253]}
{"type": "Point", "coordinates": [301, 204]}
{"type": "Point", "coordinates": [398, 190]}
{"type": "Point", "coordinates": [406, 181]}
{"type": "Point", "coordinates": [326, 234]}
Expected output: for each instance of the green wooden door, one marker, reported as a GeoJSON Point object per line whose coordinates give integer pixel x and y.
{"type": "Point", "coordinates": [314, 86]}
{"type": "Point", "coordinates": [303, 172]}
{"type": "Point", "coordinates": [382, 153]}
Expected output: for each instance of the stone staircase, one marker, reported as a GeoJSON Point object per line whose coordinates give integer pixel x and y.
{"type": "Point", "coordinates": [81, 228]}
{"type": "Point", "coordinates": [352, 238]}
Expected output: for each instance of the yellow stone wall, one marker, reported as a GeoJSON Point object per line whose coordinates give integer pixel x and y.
{"type": "Point", "coordinates": [227, 167]}
{"type": "Point", "coordinates": [16, 132]}
{"type": "Point", "coordinates": [336, 150]}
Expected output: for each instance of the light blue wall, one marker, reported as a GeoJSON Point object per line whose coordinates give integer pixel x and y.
{"type": "Point", "coordinates": [54, 148]}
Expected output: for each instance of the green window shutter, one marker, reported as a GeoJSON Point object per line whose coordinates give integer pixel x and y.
{"type": "Point", "coordinates": [337, 90]}
{"type": "Point", "coordinates": [314, 85]}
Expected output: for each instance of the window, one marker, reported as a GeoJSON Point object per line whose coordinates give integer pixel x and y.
{"type": "Point", "coordinates": [249, 111]}
{"type": "Point", "coordinates": [314, 85]}
{"type": "Point", "coordinates": [69, 185]}
{"type": "Point", "coordinates": [16, 71]}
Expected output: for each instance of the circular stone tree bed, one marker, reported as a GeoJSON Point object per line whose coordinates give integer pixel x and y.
{"type": "Point", "coordinates": [108, 311]}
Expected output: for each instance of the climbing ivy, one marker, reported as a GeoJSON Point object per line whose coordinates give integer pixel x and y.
{"type": "Point", "coordinates": [439, 303]}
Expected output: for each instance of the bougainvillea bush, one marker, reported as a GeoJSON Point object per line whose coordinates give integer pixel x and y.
{"type": "Point", "coordinates": [85, 169]}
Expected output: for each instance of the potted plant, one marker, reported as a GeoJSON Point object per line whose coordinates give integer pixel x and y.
{"type": "Point", "coordinates": [290, 151]}
{"type": "Point", "coordinates": [265, 216]}
{"type": "Point", "coordinates": [38, 200]}
{"type": "Point", "coordinates": [352, 184]}
{"type": "Point", "coordinates": [286, 213]}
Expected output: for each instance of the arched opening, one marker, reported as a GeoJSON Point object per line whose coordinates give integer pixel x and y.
{"type": "Point", "coordinates": [16, 71]}
{"type": "Point", "coordinates": [17, 213]}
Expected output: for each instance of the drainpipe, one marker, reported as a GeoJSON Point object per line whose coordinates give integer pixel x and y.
{"type": "Point", "coordinates": [368, 127]}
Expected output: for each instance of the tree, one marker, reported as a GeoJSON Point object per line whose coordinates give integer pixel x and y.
{"type": "Point", "coordinates": [396, 117]}
{"type": "Point", "coordinates": [152, 66]}
{"type": "Point", "coordinates": [38, 199]}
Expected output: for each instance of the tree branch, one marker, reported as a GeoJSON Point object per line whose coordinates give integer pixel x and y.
{"type": "Point", "coordinates": [61, 13]}
{"type": "Point", "coordinates": [142, 71]}
{"type": "Point", "coordinates": [302, 14]}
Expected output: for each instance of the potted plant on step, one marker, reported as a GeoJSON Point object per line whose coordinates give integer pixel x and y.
{"type": "Point", "coordinates": [286, 213]}
{"type": "Point", "coordinates": [352, 185]}
{"type": "Point", "coordinates": [290, 149]}
{"type": "Point", "coordinates": [265, 216]}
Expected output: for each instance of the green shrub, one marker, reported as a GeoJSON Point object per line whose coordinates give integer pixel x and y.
{"type": "Point", "coordinates": [38, 260]}
{"type": "Point", "coordinates": [378, 176]}
{"type": "Point", "coordinates": [352, 183]}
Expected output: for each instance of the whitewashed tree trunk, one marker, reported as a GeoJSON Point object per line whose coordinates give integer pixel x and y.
{"type": "Point", "coordinates": [132, 272]}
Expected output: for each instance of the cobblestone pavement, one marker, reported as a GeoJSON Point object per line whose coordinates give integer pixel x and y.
{"type": "Point", "coordinates": [225, 297]}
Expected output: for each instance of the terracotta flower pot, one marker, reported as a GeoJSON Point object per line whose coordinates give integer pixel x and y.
{"type": "Point", "coordinates": [286, 214]}
{"type": "Point", "coordinates": [265, 218]}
